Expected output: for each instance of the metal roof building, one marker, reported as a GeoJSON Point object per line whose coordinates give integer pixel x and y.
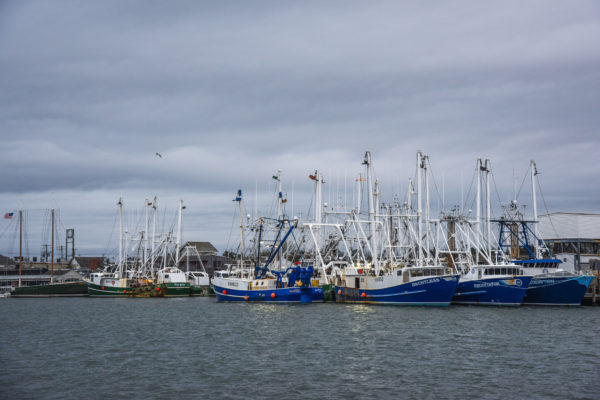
{"type": "Point", "coordinates": [564, 225]}
{"type": "Point", "coordinates": [572, 237]}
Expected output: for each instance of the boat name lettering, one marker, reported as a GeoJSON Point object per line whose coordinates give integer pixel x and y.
{"type": "Point", "coordinates": [486, 284]}
{"type": "Point", "coordinates": [539, 282]}
{"type": "Point", "coordinates": [379, 279]}
{"type": "Point", "coordinates": [232, 284]}
{"type": "Point", "coordinates": [425, 281]}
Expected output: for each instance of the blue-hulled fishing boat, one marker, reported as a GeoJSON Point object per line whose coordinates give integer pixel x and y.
{"type": "Point", "coordinates": [292, 284]}
{"type": "Point", "coordinates": [550, 284]}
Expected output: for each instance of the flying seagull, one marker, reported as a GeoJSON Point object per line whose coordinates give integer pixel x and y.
{"type": "Point", "coordinates": [158, 154]}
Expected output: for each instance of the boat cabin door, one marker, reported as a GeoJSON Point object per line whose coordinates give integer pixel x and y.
{"type": "Point", "coordinates": [479, 272]}
{"type": "Point", "coordinates": [357, 283]}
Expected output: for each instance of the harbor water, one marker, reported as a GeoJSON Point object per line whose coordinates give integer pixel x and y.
{"type": "Point", "coordinates": [192, 348]}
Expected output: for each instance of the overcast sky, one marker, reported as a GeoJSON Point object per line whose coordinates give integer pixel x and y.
{"type": "Point", "coordinates": [229, 92]}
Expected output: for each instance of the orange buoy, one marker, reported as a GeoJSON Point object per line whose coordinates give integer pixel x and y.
{"type": "Point", "coordinates": [363, 294]}
{"type": "Point", "coordinates": [246, 297]}
{"type": "Point", "coordinates": [340, 292]}
{"type": "Point", "coordinates": [224, 291]}
{"type": "Point", "coordinates": [102, 287]}
{"type": "Point", "coordinates": [124, 290]}
{"type": "Point", "coordinates": [158, 289]}
{"type": "Point", "coordinates": [272, 295]}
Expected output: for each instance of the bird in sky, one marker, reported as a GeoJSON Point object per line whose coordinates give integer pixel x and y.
{"type": "Point", "coordinates": [158, 154]}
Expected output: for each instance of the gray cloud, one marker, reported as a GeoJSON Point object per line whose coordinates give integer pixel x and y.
{"type": "Point", "coordinates": [231, 92]}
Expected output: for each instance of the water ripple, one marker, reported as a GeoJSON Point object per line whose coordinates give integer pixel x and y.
{"type": "Point", "coordinates": [190, 348]}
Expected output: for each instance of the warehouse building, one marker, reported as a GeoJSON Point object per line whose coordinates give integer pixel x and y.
{"type": "Point", "coordinates": [574, 238]}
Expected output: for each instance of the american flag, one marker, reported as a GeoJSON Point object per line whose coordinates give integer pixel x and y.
{"type": "Point", "coordinates": [8, 215]}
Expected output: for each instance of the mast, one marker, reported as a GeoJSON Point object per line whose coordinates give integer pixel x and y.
{"type": "Point", "coordinates": [359, 181]}
{"type": "Point", "coordinates": [178, 241]}
{"type": "Point", "coordinates": [279, 214]}
{"type": "Point", "coordinates": [424, 165]}
{"type": "Point", "coordinates": [488, 207]}
{"type": "Point", "coordinates": [279, 196]}
{"type": "Point", "coordinates": [318, 178]}
{"type": "Point", "coordinates": [239, 200]}
{"type": "Point", "coordinates": [20, 245]}
{"type": "Point", "coordinates": [52, 255]}
{"type": "Point", "coordinates": [376, 194]}
{"type": "Point", "coordinates": [409, 193]}
{"type": "Point", "coordinates": [534, 173]}
{"type": "Point", "coordinates": [370, 193]}
{"type": "Point", "coordinates": [419, 210]}
{"type": "Point", "coordinates": [187, 260]}
{"type": "Point", "coordinates": [120, 237]}
{"type": "Point", "coordinates": [126, 252]}
{"type": "Point", "coordinates": [478, 201]}
{"type": "Point", "coordinates": [165, 248]}
{"type": "Point", "coordinates": [145, 258]}
{"type": "Point", "coordinates": [152, 255]}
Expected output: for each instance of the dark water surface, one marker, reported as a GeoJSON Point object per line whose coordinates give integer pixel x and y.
{"type": "Point", "coordinates": [193, 348]}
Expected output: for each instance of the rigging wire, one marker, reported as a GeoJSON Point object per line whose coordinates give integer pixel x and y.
{"type": "Point", "coordinates": [523, 182]}
{"type": "Point", "coordinates": [546, 207]}
{"type": "Point", "coordinates": [11, 221]}
{"type": "Point", "coordinates": [495, 186]}
{"type": "Point", "coordinates": [470, 188]}
{"type": "Point", "coordinates": [231, 230]}
{"type": "Point", "coordinates": [434, 183]}
{"type": "Point", "coordinates": [111, 235]}
{"type": "Point", "coordinates": [14, 225]}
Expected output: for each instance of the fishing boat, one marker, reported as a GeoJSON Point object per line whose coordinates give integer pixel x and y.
{"type": "Point", "coordinates": [550, 285]}
{"type": "Point", "coordinates": [199, 280]}
{"type": "Point", "coordinates": [121, 280]}
{"type": "Point", "coordinates": [199, 283]}
{"type": "Point", "coordinates": [385, 277]}
{"type": "Point", "coordinates": [497, 285]}
{"type": "Point", "coordinates": [109, 284]}
{"type": "Point", "coordinates": [275, 281]}
{"type": "Point", "coordinates": [172, 282]}
{"type": "Point", "coordinates": [410, 286]}
{"type": "Point", "coordinates": [485, 278]}
{"type": "Point", "coordinates": [294, 285]}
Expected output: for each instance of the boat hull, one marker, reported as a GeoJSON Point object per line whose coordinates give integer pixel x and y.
{"type": "Point", "coordinates": [201, 291]}
{"type": "Point", "coordinates": [68, 289]}
{"type": "Point", "coordinates": [557, 291]}
{"type": "Point", "coordinates": [96, 290]}
{"type": "Point", "coordinates": [173, 289]}
{"type": "Point", "coordinates": [492, 291]}
{"type": "Point", "coordinates": [436, 291]}
{"type": "Point", "coordinates": [279, 295]}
